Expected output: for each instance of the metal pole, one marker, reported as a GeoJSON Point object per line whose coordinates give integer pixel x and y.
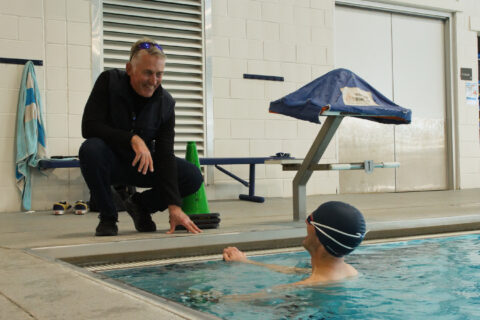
{"type": "Point", "coordinates": [313, 156]}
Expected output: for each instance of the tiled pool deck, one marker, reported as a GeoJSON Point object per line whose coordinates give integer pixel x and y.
{"type": "Point", "coordinates": [34, 284]}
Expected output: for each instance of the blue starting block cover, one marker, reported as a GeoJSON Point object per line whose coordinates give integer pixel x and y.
{"type": "Point", "coordinates": [340, 92]}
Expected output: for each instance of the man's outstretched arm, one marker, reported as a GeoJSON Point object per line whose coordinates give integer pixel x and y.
{"type": "Point", "coordinates": [233, 254]}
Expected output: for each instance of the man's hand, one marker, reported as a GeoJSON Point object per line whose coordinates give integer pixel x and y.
{"type": "Point", "coordinates": [233, 254]}
{"type": "Point", "coordinates": [178, 217]}
{"type": "Point", "coordinates": [142, 155]}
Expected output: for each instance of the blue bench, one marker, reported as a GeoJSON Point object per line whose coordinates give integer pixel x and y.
{"type": "Point", "coordinates": [251, 161]}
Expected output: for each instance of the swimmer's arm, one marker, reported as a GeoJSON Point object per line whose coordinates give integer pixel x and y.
{"type": "Point", "coordinates": [277, 268]}
{"type": "Point", "coordinates": [264, 294]}
{"type": "Point", "coordinates": [232, 254]}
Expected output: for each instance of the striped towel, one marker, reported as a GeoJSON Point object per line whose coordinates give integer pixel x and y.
{"type": "Point", "coordinates": [31, 139]}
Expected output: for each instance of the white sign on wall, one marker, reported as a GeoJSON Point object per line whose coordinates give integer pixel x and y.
{"type": "Point", "coordinates": [471, 92]}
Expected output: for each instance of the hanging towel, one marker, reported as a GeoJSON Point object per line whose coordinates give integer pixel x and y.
{"type": "Point", "coordinates": [31, 139]}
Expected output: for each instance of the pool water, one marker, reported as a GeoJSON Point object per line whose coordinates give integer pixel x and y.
{"type": "Point", "coordinates": [430, 279]}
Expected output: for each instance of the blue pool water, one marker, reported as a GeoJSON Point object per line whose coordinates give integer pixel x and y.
{"type": "Point", "coordinates": [429, 279]}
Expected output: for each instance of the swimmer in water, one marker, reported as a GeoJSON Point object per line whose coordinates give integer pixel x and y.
{"type": "Point", "coordinates": [334, 230]}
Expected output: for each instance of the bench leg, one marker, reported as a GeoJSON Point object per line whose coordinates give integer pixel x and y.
{"type": "Point", "coordinates": [251, 188]}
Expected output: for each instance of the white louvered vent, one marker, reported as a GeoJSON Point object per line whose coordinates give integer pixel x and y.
{"type": "Point", "coordinates": [178, 26]}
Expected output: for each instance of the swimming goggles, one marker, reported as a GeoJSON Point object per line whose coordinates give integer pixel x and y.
{"type": "Point", "coordinates": [318, 226]}
{"type": "Point", "coordinates": [148, 45]}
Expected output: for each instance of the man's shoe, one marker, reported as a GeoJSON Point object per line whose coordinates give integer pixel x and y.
{"type": "Point", "coordinates": [142, 219]}
{"type": "Point", "coordinates": [106, 228]}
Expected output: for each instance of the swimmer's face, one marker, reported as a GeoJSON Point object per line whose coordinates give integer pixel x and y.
{"type": "Point", "coordinates": [146, 73]}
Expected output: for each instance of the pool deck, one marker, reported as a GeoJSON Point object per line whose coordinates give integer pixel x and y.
{"type": "Point", "coordinates": [35, 284]}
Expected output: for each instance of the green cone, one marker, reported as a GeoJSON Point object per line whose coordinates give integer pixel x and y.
{"type": "Point", "coordinates": [195, 203]}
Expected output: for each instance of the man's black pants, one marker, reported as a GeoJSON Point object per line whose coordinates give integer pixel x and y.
{"type": "Point", "coordinates": [101, 168]}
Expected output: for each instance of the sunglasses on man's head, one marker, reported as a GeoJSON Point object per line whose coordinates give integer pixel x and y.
{"type": "Point", "coordinates": [148, 45]}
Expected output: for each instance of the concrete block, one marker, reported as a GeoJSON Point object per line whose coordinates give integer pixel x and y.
{"type": "Point", "coordinates": [77, 101]}
{"type": "Point", "coordinates": [322, 36]}
{"type": "Point", "coordinates": [238, 9]}
{"type": "Point", "coordinates": [260, 30]}
{"type": "Point", "coordinates": [295, 34]}
{"type": "Point", "coordinates": [78, 10]}
{"type": "Point", "coordinates": [222, 128]}
{"type": "Point", "coordinates": [11, 76]}
{"type": "Point", "coordinates": [226, 190]}
{"type": "Point", "coordinates": [57, 146]}
{"type": "Point", "coordinates": [56, 78]}
{"type": "Point", "coordinates": [274, 90]}
{"type": "Point", "coordinates": [79, 56]}
{"type": "Point", "coordinates": [32, 50]}
{"type": "Point", "coordinates": [257, 108]}
{"type": "Point", "coordinates": [79, 33]}
{"type": "Point", "coordinates": [231, 148]}
{"type": "Point", "coordinates": [73, 145]}
{"type": "Point", "coordinates": [238, 48]}
{"type": "Point", "coordinates": [56, 102]}
{"type": "Point", "coordinates": [318, 71]}
{"type": "Point", "coordinates": [273, 12]}
{"type": "Point", "coordinates": [228, 27]}
{"type": "Point", "coordinates": [312, 54]}
{"type": "Point", "coordinates": [55, 9]}
{"type": "Point", "coordinates": [30, 29]}
{"type": "Point", "coordinates": [308, 130]}
{"type": "Point", "coordinates": [282, 129]}
{"type": "Point", "coordinates": [9, 27]}
{"type": "Point", "coordinates": [79, 79]}
{"type": "Point", "coordinates": [228, 67]}
{"type": "Point", "coordinates": [230, 109]}
{"type": "Point", "coordinates": [57, 125]}
{"type": "Point", "coordinates": [8, 181]}
{"type": "Point", "coordinates": [296, 148]}
{"type": "Point", "coordinates": [242, 88]}
{"type": "Point", "coordinates": [220, 47]}
{"type": "Point", "coordinates": [294, 72]}
{"type": "Point", "coordinates": [56, 31]}
{"type": "Point", "coordinates": [265, 148]}
{"type": "Point", "coordinates": [74, 126]}
{"type": "Point", "coordinates": [309, 17]}
{"type": "Point", "coordinates": [277, 51]}
{"type": "Point", "coordinates": [9, 98]}
{"type": "Point", "coordinates": [10, 200]}
{"type": "Point", "coordinates": [221, 87]}
{"type": "Point", "coordinates": [248, 129]}
{"type": "Point", "coordinates": [8, 125]}
{"type": "Point", "coordinates": [271, 68]}
{"type": "Point", "coordinates": [303, 3]}
{"type": "Point", "coordinates": [327, 5]}
{"type": "Point", "coordinates": [7, 150]}
{"type": "Point", "coordinates": [56, 55]}
{"type": "Point", "coordinates": [22, 8]}
{"type": "Point", "coordinates": [274, 187]}
{"type": "Point", "coordinates": [219, 8]}
{"type": "Point", "coordinates": [287, 190]}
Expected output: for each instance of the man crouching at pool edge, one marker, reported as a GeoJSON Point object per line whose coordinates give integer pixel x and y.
{"type": "Point", "coordinates": [334, 230]}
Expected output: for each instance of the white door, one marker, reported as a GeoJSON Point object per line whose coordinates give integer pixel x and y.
{"type": "Point", "coordinates": [402, 57]}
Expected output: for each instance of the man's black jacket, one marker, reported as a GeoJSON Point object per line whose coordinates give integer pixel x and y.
{"type": "Point", "coordinates": [115, 112]}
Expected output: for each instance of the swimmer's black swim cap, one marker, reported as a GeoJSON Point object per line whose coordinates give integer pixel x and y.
{"type": "Point", "coordinates": [340, 227]}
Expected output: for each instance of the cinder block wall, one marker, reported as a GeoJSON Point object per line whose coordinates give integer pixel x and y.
{"type": "Point", "coordinates": [291, 39]}
{"type": "Point", "coordinates": [58, 32]}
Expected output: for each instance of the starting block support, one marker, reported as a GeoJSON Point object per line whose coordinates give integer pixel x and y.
{"type": "Point", "coordinates": [306, 166]}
